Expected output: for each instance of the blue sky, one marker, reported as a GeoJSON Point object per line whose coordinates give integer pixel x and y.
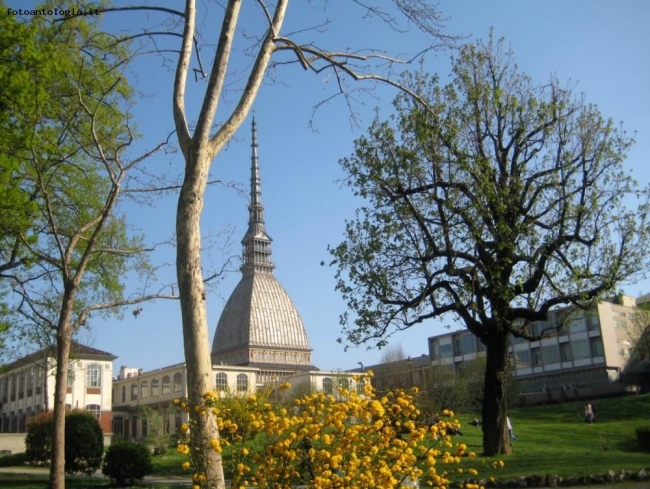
{"type": "Point", "coordinates": [600, 46]}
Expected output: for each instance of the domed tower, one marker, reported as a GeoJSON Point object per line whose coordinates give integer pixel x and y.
{"type": "Point", "coordinates": [260, 326]}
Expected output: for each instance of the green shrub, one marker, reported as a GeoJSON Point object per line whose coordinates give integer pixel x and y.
{"type": "Point", "coordinates": [643, 437]}
{"type": "Point", "coordinates": [84, 443]}
{"type": "Point", "coordinates": [38, 442]}
{"type": "Point", "coordinates": [127, 462]}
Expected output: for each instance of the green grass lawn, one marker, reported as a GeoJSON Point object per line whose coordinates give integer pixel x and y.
{"type": "Point", "coordinates": [551, 440]}
{"type": "Point", "coordinates": [556, 440]}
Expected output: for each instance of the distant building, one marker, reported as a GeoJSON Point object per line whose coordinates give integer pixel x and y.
{"type": "Point", "coordinates": [586, 358]}
{"type": "Point", "coordinates": [157, 389]}
{"type": "Point", "coordinates": [404, 373]}
{"type": "Point", "coordinates": [27, 389]}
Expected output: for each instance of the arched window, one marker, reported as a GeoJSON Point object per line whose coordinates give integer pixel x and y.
{"type": "Point", "coordinates": [134, 392]}
{"type": "Point", "coordinates": [327, 385]}
{"type": "Point", "coordinates": [178, 382]}
{"type": "Point", "coordinates": [144, 389]}
{"type": "Point", "coordinates": [221, 383]}
{"type": "Point", "coordinates": [242, 382]}
{"type": "Point", "coordinates": [344, 382]}
{"type": "Point", "coordinates": [94, 375]}
{"type": "Point", "coordinates": [360, 384]}
{"type": "Point", "coordinates": [96, 409]}
{"type": "Point", "coordinates": [123, 393]}
{"type": "Point", "coordinates": [155, 389]}
{"type": "Point", "coordinates": [166, 387]}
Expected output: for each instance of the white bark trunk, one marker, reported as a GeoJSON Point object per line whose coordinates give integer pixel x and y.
{"type": "Point", "coordinates": [193, 309]}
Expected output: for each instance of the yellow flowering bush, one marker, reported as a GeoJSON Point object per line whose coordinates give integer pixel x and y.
{"type": "Point", "coordinates": [364, 441]}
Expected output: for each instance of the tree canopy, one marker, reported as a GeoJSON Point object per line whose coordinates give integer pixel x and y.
{"type": "Point", "coordinates": [497, 200]}
{"type": "Point", "coordinates": [69, 253]}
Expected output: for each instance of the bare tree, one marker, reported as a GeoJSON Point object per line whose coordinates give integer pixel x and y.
{"type": "Point", "coordinates": [393, 353]}
{"type": "Point", "coordinates": [201, 137]}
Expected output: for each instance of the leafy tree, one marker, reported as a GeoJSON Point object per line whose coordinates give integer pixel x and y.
{"type": "Point", "coordinates": [16, 205]}
{"type": "Point", "coordinates": [158, 436]}
{"type": "Point", "coordinates": [70, 110]}
{"type": "Point", "coordinates": [497, 201]}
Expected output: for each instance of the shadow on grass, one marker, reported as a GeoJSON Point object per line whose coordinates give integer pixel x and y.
{"type": "Point", "coordinates": [13, 460]}
{"type": "Point", "coordinates": [628, 445]}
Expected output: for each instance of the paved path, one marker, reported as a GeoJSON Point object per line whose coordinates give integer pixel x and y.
{"type": "Point", "coordinates": [150, 479]}
{"type": "Point", "coordinates": [186, 482]}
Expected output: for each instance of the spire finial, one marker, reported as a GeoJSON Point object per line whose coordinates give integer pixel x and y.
{"type": "Point", "coordinates": [256, 243]}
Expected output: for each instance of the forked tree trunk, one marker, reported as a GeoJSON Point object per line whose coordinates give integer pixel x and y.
{"type": "Point", "coordinates": [193, 309]}
{"type": "Point", "coordinates": [496, 440]}
{"type": "Point", "coordinates": [63, 341]}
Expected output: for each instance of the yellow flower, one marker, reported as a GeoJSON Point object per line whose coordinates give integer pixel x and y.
{"type": "Point", "coordinates": [185, 465]}
{"type": "Point", "coordinates": [183, 448]}
{"type": "Point", "coordinates": [216, 445]}
{"type": "Point", "coordinates": [244, 451]}
{"type": "Point", "coordinates": [185, 428]}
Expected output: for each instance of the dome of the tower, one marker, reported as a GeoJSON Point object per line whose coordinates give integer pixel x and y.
{"type": "Point", "coordinates": [259, 313]}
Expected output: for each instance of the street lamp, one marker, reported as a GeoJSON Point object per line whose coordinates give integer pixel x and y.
{"type": "Point", "coordinates": [410, 362]}
{"type": "Point", "coordinates": [362, 369]}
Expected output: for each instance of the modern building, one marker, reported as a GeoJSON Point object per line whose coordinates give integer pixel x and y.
{"type": "Point", "coordinates": [260, 325]}
{"type": "Point", "coordinates": [586, 357]}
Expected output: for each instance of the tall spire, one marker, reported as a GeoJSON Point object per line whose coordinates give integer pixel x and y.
{"type": "Point", "coordinates": [256, 243]}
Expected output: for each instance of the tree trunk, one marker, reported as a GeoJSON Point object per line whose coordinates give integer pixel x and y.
{"type": "Point", "coordinates": [496, 440]}
{"type": "Point", "coordinates": [193, 309]}
{"type": "Point", "coordinates": [63, 341]}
